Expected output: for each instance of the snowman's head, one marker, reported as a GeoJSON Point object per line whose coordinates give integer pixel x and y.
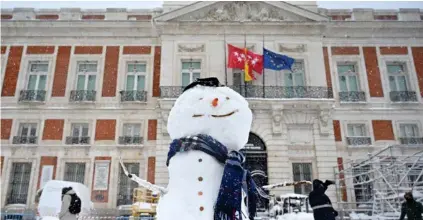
{"type": "Point", "coordinates": [207, 108]}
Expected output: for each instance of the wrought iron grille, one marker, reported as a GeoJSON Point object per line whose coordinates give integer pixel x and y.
{"type": "Point", "coordinates": [82, 95]}
{"type": "Point", "coordinates": [271, 92]}
{"type": "Point", "coordinates": [32, 95]}
{"type": "Point", "coordinates": [134, 95]}
{"type": "Point", "coordinates": [75, 172]}
{"type": "Point", "coordinates": [403, 96]}
{"type": "Point", "coordinates": [359, 140]}
{"type": "Point", "coordinates": [131, 140]}
{"type": "Point", "coordinates": [19, 183]}
{"type": "Point", "coordinates": [25, 139]}
{"type": "Point", "coordinates": [352, 96]}
{"type": "Point", "coordinates": [127, 186]}
{"type": "Point", "coordinates": [77, 140]}
{"type": "Point", "coordinates": [411, 140]}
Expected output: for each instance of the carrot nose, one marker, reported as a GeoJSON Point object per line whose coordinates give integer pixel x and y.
{"type": "Point", "coordinates": [215, 102]}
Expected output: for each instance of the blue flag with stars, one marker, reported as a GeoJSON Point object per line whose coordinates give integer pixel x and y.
{"type": "Point", "coordinates": [275, 61]}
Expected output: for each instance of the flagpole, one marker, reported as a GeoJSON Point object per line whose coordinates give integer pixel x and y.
{"type": "Point", "coordinates": [245, 47]}
{"type": "Point", "coordinates": [264, 70]}
{"type": "Point", "coordinates": [226, 67]}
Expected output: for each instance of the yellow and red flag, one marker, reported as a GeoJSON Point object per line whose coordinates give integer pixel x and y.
{"type": "Point", "coordinates": [246, 60]}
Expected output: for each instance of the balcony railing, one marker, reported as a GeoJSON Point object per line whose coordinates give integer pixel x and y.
{"type": "Point", "coordinates": [352, 96]}
{"type": "Point", "coordinates": [77, 140]}
{"type": "Point", "coordinates": [359, 140]}
{"type": "Point", "coordinates": [82, 95]}
{"type": "Point", "coordinates": [130, 140]}
{"type": "Point", "coordinates": [133, 96]}
{"type": "Point", "coordinates": [411, 140]}
{"type": "Point", "coordinates": [24, 140]}
{"type": "Point", "coordinates": [403, 96]}
{"type": "Point", "coordinates": [271, 92]}
{"type": "Point", "coordinates": [32, 96]}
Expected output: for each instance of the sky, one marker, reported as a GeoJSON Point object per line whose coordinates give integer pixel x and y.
{"type": "Point", "coordinates": [154, 4]}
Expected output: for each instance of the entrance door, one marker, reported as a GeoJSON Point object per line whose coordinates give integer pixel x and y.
{"type": "Point", "coordinates": [256, 162]}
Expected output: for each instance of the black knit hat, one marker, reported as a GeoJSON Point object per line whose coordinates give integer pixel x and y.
{"type": "Point", "coordinates": [211, 82]}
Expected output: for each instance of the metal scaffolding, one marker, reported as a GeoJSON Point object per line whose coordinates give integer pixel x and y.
{"type": "Point", "coordinates": [375, 186]}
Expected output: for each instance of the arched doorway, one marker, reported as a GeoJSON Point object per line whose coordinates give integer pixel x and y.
{"type": "Point", "coordinates": [256, 162]}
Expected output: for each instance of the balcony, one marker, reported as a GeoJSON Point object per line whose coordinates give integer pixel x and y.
{"type": "Point", "coordinates": [25, 139]}
{"type": "Point", "coordinates": [77, 140]}
{"type": "Point", "coordinates": [403, 96]}
{"type": "Point", "coordinates": [359, 141]}
{"type": "Point", "coordinates": [352, 96]}
{"type": "Point", "coordinates": [270, 92]}
{"type": "Point", "coordinates": [32, 96]}
{"type": "Point", "coordinates": [133, 96]}
{"type": "Point", "coordinates": [411, 140]}
{"type": "Point", "coordinates": [127, 140]}
{"type": "Point", "coordinates": [82, 95]}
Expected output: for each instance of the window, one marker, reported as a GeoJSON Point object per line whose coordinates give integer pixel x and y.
{"type": "Point", "coordinates": [79, 134]}
{"type": "Point", "coordinates": [363, 186]}
{"type": "Point", "coordinates": [414, 173]}
{"type": "Point", "coordinates": [37, 75]}
{"type": "Point", "coordinates": [132, 130]}
{"type": "Point", "coordinates": [409, 130]}
{"type": "Point", "coordinates": [127, 186]}
{"type": "Point", "coordinates": [19, 183]}
{"type": "Point", "coordinates": [356, 130]}
{"type": "Point", "coordinates": [135, 76]}
{"type": "Point", "coordinates": [296, 76]}
{"type": "Point", "coordinates": [86, 76]}
{"type": "Point", "coordinates": [27, 134]}
{"type": "Point", "coordinates": [302, 171]}
{"type": "Point", "coordinates": [348, 77]}
{"type": "Point", "coordinates": [190, 71]}
{"type": "Point", "coordinates": [397, 74]}
{"type": "Point", "coordinates": [75, 172]}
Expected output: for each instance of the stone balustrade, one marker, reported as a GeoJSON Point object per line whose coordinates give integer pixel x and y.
{"type": "Point", "coordinates": [356, 14]}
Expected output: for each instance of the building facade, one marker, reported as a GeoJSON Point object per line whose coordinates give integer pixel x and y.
{"type": "Point", "coordinates": [81, 88]}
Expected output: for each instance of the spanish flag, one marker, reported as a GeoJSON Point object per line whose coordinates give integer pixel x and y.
{"type": "Point", "coordinates": [247, 72]}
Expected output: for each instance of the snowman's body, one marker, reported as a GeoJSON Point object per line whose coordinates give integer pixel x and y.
{"type": "Point", "coordinates": [194, 176]}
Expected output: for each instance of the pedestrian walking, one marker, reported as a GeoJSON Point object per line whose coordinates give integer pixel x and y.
{"type": "Point", "coordinates": [411, 208]}
{"type": "Point", "coordinates": [320, 202]}
{"type": "Point", "coordinates": [71, 204]}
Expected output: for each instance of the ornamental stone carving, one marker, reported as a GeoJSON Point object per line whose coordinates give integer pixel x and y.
{"type": "Point", "coordinates": [325, 115]}
{"type": "Point", "coordinates": [191, 48]}
{"type": "Point", "coordinates": [301, 48]}
{"type": "Point", "coordinates": [277, 121]}
{"type": "Point", "coordinates": [242, 12]}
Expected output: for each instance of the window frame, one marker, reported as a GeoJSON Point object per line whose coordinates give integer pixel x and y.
{"type": "Point", "coordinates": [31, 125]}
{"type": "Point", "coordinates": [86, 74]}
{"type": "Point", "coordinates": [81, 127]}
{"type": "Point", "coordinates": [293, 73]}
{"type": "Point", "coordinates": [79, 163]}
{"type": "Point", "coordinates": [417, 126]}
{"type": "Point", "coordinates": [302, 186]}
{"type": "Point", "coordinates": [404, 73]}
{"type": "Point", "coordinates": [9, 178]}
{"type": "Point", "coordinates": [135, 74]}
{"type": "Point", "coordinates": [191, 72]}
{"type": "Point", "coordinates": [132, 124]}
{"type": "Point", "coordinates": [356, 73]}
{"type": "Point", "coordinates": [129, 182]}
{"type": "Point", "coordinates": [37, 74]}
{"type": "Point", "coordinates": [355, 125]}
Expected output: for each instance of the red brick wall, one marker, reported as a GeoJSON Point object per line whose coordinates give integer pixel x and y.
{"type": "Point", "coordinates": [156, 72]}
{"type": "Point", "coordinates": [12, 71]}
{"type": "Point", "coordinates": [6, 17]}
{"type": "Point", "coordinates": [47, 17]}
{"type": "Point", "coordinates": [101, 196]}
{"type": "Point", "coordinates": [393, 50]}
{"type": "Point", "coordinates": [61, 71]}
{"type": "Point", "coordinates": [88, 50]}
{"type": "Point", "coordinates": [140, 17]}
{"type": "Point", "coordinates": [327, 67]}
{"type": "Point", "coordinates": [45, 161]}
{"type": "Point", "coordinates": [105, 129]}
{"type": "Point", "coordinates": [152, 129]}
{"type": "Point", "coordinates": [40, 50]}
{"type": "Point", "coordinates": [373, 74]}
{"type": "Point", "coordinates": [3, 50]}
{"type": "Point", "coordinates": [1, 165]}
{"type": "Point", "coordinates": [345, 51]}
{"type": "Point", "coordinates": [418, 63]}
{"type": "Point", "coordinates": [337, 130]}
{"type": "Point", "coordinates": [6, 127]}
{"type": "Point", "coordinates": [382, 130]}
{"type": "Point", "coordinates": [53, 129]}
{"type": "Point", "coordinates": [342, 180]}
{"type": "Point", "coordinates": [93, 17]}
{"type": "Point", "coordinates": [136, 50]}
{"type": "Point", "coordinates": [110, 71]}
{"type": "Point", "coordinates": [151, 170]}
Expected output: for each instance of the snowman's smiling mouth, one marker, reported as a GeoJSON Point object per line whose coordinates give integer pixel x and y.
{"type": "Point", "coordinates": [216, 116]}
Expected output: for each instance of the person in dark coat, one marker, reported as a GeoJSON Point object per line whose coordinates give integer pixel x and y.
{"type": "Point", "coordinates": [320, 202]}
{"type": "Point", "coordinates": [411, 208]}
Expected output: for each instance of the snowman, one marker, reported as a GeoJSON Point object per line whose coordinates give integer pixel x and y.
{"type": "Point", "coordinates": [209, 124]}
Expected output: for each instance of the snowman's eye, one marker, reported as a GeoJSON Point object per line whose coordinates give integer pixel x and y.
{"type": "Point", "coordinates": [227, 98]}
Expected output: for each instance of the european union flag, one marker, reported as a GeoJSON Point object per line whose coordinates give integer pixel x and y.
{"type": "Point", "coordinates": [275, 61]}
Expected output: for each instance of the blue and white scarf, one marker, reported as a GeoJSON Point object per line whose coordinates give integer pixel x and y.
{"type": "Point", "coordinates": [235, 178]}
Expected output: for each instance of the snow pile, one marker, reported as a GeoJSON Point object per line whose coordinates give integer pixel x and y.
{"type": "Point", "coordinates": [359, 216]}
{"type": "Point", "coordinates": [296, 216]}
